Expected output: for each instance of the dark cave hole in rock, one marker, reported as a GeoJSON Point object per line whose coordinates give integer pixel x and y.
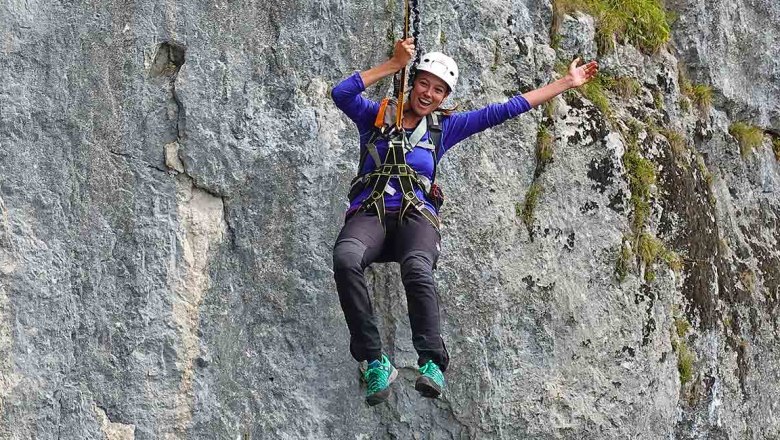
{"type": "Point", "coordinates": [168, 60]}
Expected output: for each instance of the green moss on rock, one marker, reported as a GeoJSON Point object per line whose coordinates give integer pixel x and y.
{"type": "Point", "coordinates": [681, 326]}
{"type": "Point", "coordinates": [531, 201]}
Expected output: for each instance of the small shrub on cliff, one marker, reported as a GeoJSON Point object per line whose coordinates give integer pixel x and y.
{"type": "Point", "coordinates": [776, 147]}
{"type": "Point", "coordinates": [748, 136]}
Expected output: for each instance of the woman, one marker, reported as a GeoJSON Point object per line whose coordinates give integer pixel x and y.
{"type": "Point", "coordinates": [379, 227]}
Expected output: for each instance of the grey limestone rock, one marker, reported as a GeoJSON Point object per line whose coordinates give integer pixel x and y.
{"type": "Point", "coordinates": [173, 177]}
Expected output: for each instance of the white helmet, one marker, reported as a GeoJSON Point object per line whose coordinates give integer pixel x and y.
{"type": "Point", "coordinates": [440, 65]}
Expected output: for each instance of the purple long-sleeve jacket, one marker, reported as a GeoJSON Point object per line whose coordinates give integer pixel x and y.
{"type": "Point", "coordinates": [454, 128]}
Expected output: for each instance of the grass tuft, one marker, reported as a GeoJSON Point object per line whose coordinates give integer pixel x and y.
{"type": "Point", "coordinates": [531, 201]}
{"type": "Point", "coordinates": [672, 259]}
{"type": "Point", "coordinates": [685, 104]}
{"type": "Point", "coordinates": [681, 326]}
{"type": "Point", "coordinates": [704, 170]}
{"type": "Point", "coordinates": [649, 248]}
{"type": "Point", "coordinates": [555, 41]}
{"type": "Point", "coordinates": [641, 173]}
{"type": "Point", "coordinates": [594, 92]}
{"type": "Point", "coordinates": [685, 360]}
{"type": "Point", "coordinates": [624, 261]}
{"type": "Point", "coordinates": [776, 147]}
{"type": "Point", "coordinates": [701, 95]}
{"type": "Point", "coordinates": [698, 94]}
{"type": "Point", "coordinates": [748, 136]}
{"type": "Point", "coordinates": [676, 142]}
{"type": "Point", "coordinates": [549, 109]}
{"type": "Point", "coordinates": [544, 146]}
{"type": "Point", "coordinates": [624, 86]}
{"type": "Point", "coordinates": [643, 23]}
{"type": "Point", "coordinates": [658, 100]}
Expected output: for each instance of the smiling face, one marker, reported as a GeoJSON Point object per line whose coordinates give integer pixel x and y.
{"type": "Point", "coordinates": [428, 92]}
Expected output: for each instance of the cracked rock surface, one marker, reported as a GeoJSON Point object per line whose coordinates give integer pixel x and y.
{"type": "Point", "coordinates": [173, 177]}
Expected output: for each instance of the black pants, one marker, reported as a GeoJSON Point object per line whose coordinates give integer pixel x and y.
{"type": "Point", "coordinates": [414, 243]}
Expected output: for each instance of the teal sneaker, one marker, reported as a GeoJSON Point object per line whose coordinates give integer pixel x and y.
{"type": "Point", "coordinates": [431, 380]}
{"type": "Point", "coordinates": [378, 376]}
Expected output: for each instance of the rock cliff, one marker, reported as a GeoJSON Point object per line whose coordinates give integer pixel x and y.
{"type": "Point", "coordinates": [173, 177]}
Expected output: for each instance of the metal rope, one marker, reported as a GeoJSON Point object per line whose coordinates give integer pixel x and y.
{"type": "Point", "coordinates": [401, 92]}
{"type": "Point", "coordinates": [415, 35]}
{"type": "Point", "coordinates": [415, 12]}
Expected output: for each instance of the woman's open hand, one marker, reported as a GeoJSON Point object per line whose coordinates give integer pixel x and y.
{"type": "Point", "coordinates": [403, 52]}
{"type": "Point", "coordinates": [579, 75]}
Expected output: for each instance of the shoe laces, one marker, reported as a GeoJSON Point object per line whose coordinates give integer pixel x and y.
{"type": "Point", "coordinates": [433, 371]}
{"type": "Point", "coordinates": [375, 378]}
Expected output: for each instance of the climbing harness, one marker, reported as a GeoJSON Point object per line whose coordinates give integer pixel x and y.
{"type": "Point", "coordinates": [388, 125]}
{"type": "Point", "coordinates": [394, 166]}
